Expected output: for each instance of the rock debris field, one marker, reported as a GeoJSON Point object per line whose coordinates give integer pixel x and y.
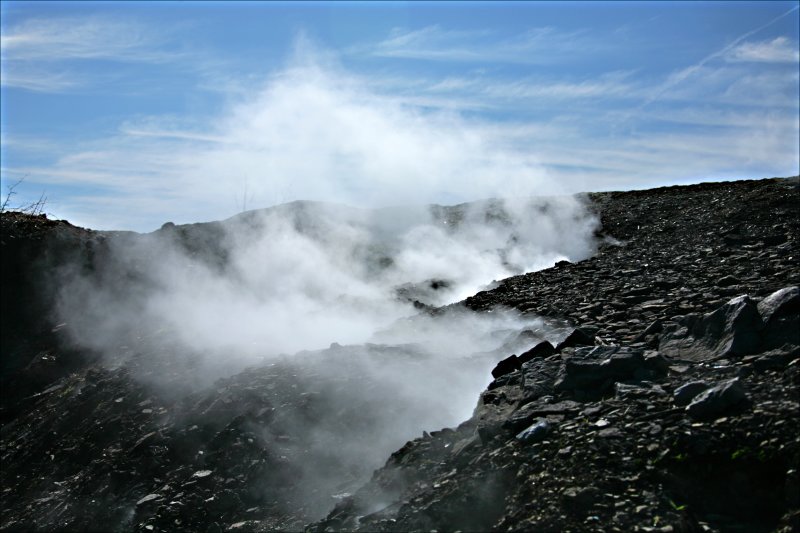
{"type": "Point", "coordinates": [671, 402]}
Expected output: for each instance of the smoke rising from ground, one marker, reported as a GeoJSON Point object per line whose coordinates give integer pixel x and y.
{"type": "Point", "coordinates": [335, 294]}
{"type": "Point", "coordinates": [340, 299]}
{"type": "Point", "coordinates": [304, 275]}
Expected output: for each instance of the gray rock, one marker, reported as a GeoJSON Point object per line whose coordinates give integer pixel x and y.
{"type": "Point", "coordinates": [655, 327]}
{"type": "Point", "coordinates": [610, 433]}
{"type": "Point", "coordinates": [727, 281]}
{"type": "Point", "coordinates": [594, 377]}
{"type": "Point", "coordinates": [536, 432]}
{"type": "Point", "coordinates": [149, 499]}
{"type": "Point", "coordinates": [780, 303]}
{"type": "Point", "coordinates": [578, 337]}
{"type": "Point", "coordinates": [732, 330]}
{"type": "Point", "coordinates": [512, 378]}
{"type": "Point", "coordinates": [655, 365]}
{"type": "Point", "coordinates": [640, 390]}
{"type": "Point", "coordinates": [538, 377]}
{"type": "Point", "coordinates": [543, 349]}
{"type": "Point", "coordinates": [781, 314]}
{"type": "Point", "coordinates": [723, 398]}
{"type": "Point", "coordinates": [528, 413]}
{"type": "Point", "coordinates": [686, 393]}
{"type": "Point", "coordinates": [775, 359]}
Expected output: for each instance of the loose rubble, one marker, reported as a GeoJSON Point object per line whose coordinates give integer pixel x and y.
{"type": "Point", "coordinates": [673, 404]}
{"type": "Point", "coordinates": [676, 410]}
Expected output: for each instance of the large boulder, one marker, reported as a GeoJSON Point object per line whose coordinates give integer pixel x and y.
{"type": "Point", "coordinates": [780, 312]}
{"type": "Point", "coordinates": [684, 394]}
{"type": "Point", "coordinates": [578, 337]}
{"type": "Point", "coordinates": [506, 366]}
{"type": "Point", "coordinates": [543, 349]}
{"type": "Point", "coordinates": [726, 397]}
{"type": "Point", "coordinates": [732, 330]}
{"type": "Point", "coordinates": [594, 374]}
{"type": "Point", "coordinates": [536, 432]}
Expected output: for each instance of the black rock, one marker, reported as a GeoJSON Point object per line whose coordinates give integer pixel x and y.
{"type": "Point", "coordinates": [578, 337]}
{"type": "Point", "coordinates": [543, 349]}
{"type": "Point", "coordinates": [579, 500]}
{"type": "Point", "coordinates": [780, 303]}
{"type": "Point", "coordinates": [507, 365]}
{"type": "Point", "coordinates": [732, 330]}
{"type": "Point", "coordinates": [780, 312]}
{"type": "Point", "coordinates": [727, 281]}
{"type": "Point", "coordinates": [775, 359]}
{"type": "Point", "coordinates": [512, 378]}
{"type": "Point", "coordinates": [535, 433]}
{"type": "Point", "coordinates": [538, 377]}
{"type": "Point", "coordinates": [686, 393]}
{"type": "Point", "coordinates": [596, 374]}
{"type": "Point", "coordinates": [531, 412]}
{"type": "Point", "coordinates": [728, 396]}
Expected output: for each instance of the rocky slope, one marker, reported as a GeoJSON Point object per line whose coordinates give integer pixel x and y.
{"type": "Point", "coordinates": [673, 405]}
{"type": "Point", "coordinates": [675, 408]}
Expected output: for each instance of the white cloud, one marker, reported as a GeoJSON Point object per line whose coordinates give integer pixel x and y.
{"type": "Point", "coordinates": [41, 54]}
{"type": "Point", "coordinates": [680, 76]}
{"type": "Point", "coordinates": [609, 85]}
{"type": "Point", "coordinates": [313, 132]}
{"type": "Point", "coordinates": [82, 38]}
{"type": "Point", "coordinates": [747, 146]}
{"type": "Point", "coordinates": [434, 43]}
{"type": "Point", "coordinates": [38, 80]}
{"type": "Point", "coordinates": [778, 50]}
{"type": "Point", "coordinates": [485, 93]}
{"type": "Point", "coordinates": [739, 85]}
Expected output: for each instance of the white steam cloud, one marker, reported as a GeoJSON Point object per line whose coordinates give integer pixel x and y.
{"type": "Point", "coordinates": [316, 132]}
{"type": "Point", "coordinates": [203, 301]}
{"type": "Point", "coordinates": [304, 275]}
{"type": "Point", "coordinates": [311, 131]}
{"type": "Point", "coordinates": [334, 295]}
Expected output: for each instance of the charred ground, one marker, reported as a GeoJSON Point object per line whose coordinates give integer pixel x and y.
{"type": "Point", "coordinates": [673, 407]}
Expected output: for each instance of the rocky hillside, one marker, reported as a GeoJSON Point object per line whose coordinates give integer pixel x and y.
{"type": "Point", "coordinates": [673, 406]}
{"type": "Point", "coordinates": [671, 403]}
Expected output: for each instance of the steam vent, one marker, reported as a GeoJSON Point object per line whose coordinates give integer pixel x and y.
{"type": "Point", "coordinates": [649, 383]}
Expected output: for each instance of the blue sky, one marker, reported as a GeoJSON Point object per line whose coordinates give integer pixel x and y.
{"type": "Point", "coordinates": [128, 115]}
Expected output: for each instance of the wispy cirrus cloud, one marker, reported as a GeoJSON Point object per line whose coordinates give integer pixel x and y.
{"type": "Point", "coordinates": [46, 55]}
{"type": "Point", "coordinates": [38, 80]}
{"type": "Point", "coordinates": [481, 92]}
{"type": "Point", "coordinates": [313, 132]}
{"type": "Point", "coordinates": [434, 43]}
{"type": "Point", "coordinates": [778, 50]}
{"type": "Point", "coordinates": [79, 38]}
{"type": "Point", "coordinates": [317, 132]}
{"type": "Point", "coordinates": [607, 85]}
{"type": "Point", "coordinates": [681, 75]}
{"type": "Point", "coordinates": [737, 85]}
